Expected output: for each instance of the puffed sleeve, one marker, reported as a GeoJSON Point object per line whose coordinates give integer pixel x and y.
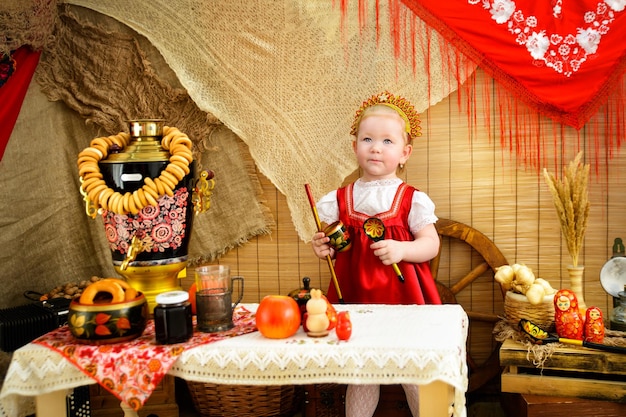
{"type": "Point", "coordinates": [328, 208]}
{"type": "Point", "coordinates": [422, 212]}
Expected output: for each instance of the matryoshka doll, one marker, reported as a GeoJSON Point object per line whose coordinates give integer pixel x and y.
{"type": "Point", "coordinates": [567, 318]}
{"type": "Point", "coordinates": [594, 325]}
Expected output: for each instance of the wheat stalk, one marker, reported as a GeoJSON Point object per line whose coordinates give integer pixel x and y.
{"type": "Point", "coordinates": [571, 201]}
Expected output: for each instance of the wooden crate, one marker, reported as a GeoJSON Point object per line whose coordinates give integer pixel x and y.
{"type": "Point", "coordinates": [162, 402]}
{"type": "Point", "coordinates": [328, 400]}
{"type": "Point", "coordinates": [528, 405]}
{"type": "Point", "coordinates": [569, 372]}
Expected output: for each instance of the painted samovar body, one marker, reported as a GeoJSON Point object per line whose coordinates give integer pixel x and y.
{"type": "Point", "coordinates": [147, 203]}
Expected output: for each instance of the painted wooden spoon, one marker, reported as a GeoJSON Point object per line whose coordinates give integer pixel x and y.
{"type": "Point", "coordinates": [542, 337]}
{"type": "Point", "coordinates": [375, 229]}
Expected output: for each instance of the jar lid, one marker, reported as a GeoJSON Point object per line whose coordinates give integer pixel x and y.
{"type": "Point", "coordinates": [172, 297]}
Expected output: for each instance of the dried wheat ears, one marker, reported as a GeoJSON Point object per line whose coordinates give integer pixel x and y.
{"type": "Point", "coordinates": [571, 201]}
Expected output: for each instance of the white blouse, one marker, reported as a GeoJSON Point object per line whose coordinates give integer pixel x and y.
{"type": "Point", "coordinates": [375, 197]}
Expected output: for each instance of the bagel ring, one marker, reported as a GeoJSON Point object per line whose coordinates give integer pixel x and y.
{"type": "Point", "coordinates": [125, 285]}
{"type": "Point", "coordinates": [130, 294]}
{"type": "Point", "coordinates": [116, 291]}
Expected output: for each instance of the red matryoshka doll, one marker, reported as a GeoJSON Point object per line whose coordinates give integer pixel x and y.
{"type": "Point", "coordinates": [594, 325]}
{"type": "Point", "coordinates": [567, 318]}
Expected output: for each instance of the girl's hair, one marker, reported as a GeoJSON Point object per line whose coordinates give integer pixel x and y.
{"type": "Point", "coordinates": [400, 105]}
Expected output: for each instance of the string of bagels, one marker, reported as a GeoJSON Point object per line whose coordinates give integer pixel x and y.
{"type": "Point", "coordinates": [101, 196]}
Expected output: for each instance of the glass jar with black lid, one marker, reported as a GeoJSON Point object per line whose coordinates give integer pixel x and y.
{"type": "Point", "coordinates": [173, 321]}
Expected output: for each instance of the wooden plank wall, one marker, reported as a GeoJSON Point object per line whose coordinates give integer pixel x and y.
{"type": "Point", "coordinates": [471, 179]}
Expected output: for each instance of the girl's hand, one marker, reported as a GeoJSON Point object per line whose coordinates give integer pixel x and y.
{"type": "Point", "coordinates": [423, 248]}
{"type": "Point", "coordinates": [389, 251]}
{"type": "Point", "coordinates": [320, 245]}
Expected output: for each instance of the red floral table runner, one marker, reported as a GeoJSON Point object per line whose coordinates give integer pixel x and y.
{"type": "Point", "coordinates": [132, 370]}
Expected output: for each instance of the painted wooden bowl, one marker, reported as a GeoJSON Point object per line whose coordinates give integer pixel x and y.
{"type": "Point", "coordinates": [106, 323]}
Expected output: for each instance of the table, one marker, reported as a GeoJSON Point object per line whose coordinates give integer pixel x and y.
{"type": "Point", "coordinates": [424, 345]}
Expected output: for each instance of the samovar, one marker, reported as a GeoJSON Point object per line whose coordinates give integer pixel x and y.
{"type": "Point", "coordinates": [144, 187]}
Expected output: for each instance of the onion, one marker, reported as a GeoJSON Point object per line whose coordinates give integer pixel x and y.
{"type": "Point", "coordinates": [524, 276]}
{"type": "Point", "coordinates": [546, 286]}
{"type": "Point", "coordinates": [504, 275]}
{"type": "Point", "coordinates": [535, 294]}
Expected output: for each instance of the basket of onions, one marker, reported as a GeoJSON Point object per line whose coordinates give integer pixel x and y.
{"type": "Point", "coordinates": [527, 297]}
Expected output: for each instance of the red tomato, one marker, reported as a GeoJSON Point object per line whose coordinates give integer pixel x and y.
{"type": "Point", "coordinates": [278, 316]}
{"type": "Point", "coordinates": [192, 297]}
{"type": "Point", "coordinates": [344, 326]}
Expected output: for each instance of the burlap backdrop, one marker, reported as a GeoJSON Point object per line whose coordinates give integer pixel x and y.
{"type": "Point", "coordinates": [286, 78]}
{"type": "Point", "coordinates": [26, 22]}
{"type": "Point", "coordinates": [106, 74]}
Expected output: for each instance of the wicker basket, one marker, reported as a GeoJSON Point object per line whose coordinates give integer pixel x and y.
{"type": "Point", "coordinates": [517, 306]}
{"type": "Point", "coordinates": [329, 400]}
{"type": "Point", "coordinates": [218, 400]}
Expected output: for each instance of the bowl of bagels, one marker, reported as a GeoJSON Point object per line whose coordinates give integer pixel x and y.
{"type": "Point", "coordinates": [108, 311]}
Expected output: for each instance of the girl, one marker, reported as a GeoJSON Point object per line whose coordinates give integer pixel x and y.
{"type": "Point", "coordinates": [384, 128]}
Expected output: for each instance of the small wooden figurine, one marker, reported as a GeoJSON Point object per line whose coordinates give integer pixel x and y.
{"type": "Point", "coordinates": [594, 325]}
{"type": "Point", "coordinates": [317, 321]}
{"type": "Point", "coordinates": [567, 317]}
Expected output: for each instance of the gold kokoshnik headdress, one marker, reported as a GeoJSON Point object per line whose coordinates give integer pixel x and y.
{"type": "Point", "coordinates": [401, 105]}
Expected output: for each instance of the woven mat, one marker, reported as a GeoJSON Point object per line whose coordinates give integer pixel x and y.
{"type": "Point", "coordinates": [132, 370]}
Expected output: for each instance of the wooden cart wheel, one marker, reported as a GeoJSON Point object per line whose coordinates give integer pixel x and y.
{"type": "Point", "coordinates": [492, 258]}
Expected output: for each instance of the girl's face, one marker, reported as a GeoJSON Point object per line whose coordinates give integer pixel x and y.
{"type": "Point", "coordinates": [381, 146]}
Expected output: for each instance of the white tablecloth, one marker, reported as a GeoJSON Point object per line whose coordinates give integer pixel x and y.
{"type": "Point", "coordinates": [389, 345]}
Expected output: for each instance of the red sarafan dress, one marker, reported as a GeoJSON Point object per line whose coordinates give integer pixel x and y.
{"type": "Point", "coordinates": [362, 277]}
{"type": "Point", "coordinates": [567, 318]}
{"type": "Point", "coordinates": [594, 325]}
